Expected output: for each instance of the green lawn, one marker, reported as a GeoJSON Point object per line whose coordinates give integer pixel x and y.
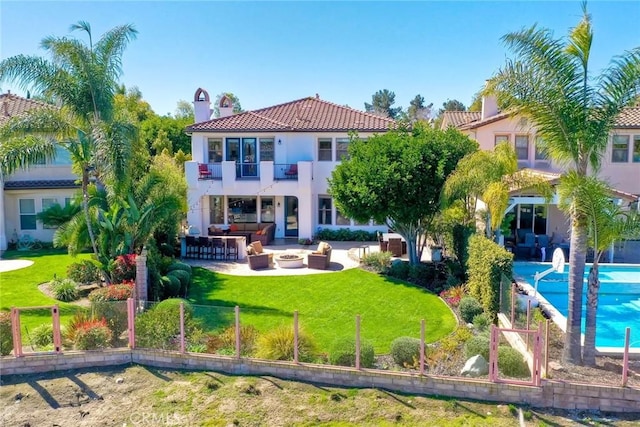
{"type": "Point", "coordinates": [19, 288]}
{"type": "Point", "coordinates": [326, 303]}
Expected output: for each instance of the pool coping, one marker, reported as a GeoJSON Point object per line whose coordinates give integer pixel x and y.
{"type": "Point", "coordinates": [561, 320]}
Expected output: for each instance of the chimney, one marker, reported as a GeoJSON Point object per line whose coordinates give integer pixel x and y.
{"type": "Point", "coordinates": [489, 105]}
{"type": "Point", "coordinates": [225, 107]}
{"type": "Point", "coordinates": [201, 106]}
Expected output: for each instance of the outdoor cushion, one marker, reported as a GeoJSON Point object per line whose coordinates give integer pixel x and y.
{"type": "Point", "coordinates": [233, 227]}
{"type": "Point", "coordinates": [257, 247]}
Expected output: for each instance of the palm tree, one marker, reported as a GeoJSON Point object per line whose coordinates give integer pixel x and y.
{"type": "Point", "coordinates": [550, 82]}
{"type": "Point", "coordinates": [82, 80]}
{"type": "Point", "coordinates": [607, 223]}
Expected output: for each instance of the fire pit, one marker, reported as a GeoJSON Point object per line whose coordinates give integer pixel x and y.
{"type": "Point", "coordinates": [289, 260]}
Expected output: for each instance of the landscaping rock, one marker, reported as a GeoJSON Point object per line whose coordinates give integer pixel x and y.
{"type": "Point", "coordinates": [119, 380]}
{"type": "Point", "coordinates": [475, 366]}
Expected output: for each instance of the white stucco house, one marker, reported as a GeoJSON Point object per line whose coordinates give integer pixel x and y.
{"type": "Point", "coordinates": [271, 165]}
{"type": "Point", "coordinates": [27, 192]}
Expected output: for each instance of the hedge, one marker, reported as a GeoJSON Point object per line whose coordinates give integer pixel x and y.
{"type": "Point", "coordinates": [487, 262]}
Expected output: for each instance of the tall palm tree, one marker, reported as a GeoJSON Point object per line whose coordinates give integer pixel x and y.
{"type": "Point", "coordinates": [549, 81]}
{"type": "Point", "coordinates": [607, 223]}
{"type": "Point", "coordinates": [82, 80]}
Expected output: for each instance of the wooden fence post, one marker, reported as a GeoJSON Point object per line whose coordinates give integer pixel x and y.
{"type": "Point", "coordinates": [295, 336]}
{"type": "Point", "coordinates": [513, 305]}
{"type": "Point", "coordinates": [182, 346]}
{"type": "Point", "coordinates": [131, 317]}
{"type": "Point", "coordinates": [357, 341]}
{"type": "Point", "coordinates": [625, 356]}
{"type": "Point", "coordinates": [15, 330]}
{"type": "Point", "coordinates": [422, 347]}
{"type": "Point", "coordinates": [237, 332]}
{"type": "Point", "coordinates": [57, 341]}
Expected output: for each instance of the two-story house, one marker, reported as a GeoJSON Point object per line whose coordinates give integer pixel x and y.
{"type": "Point", "coordinates": [271, 165]}
{"type": "Point", "coordinates": [620, 166]}
{"type": "Point", "coordinates": [27, 192]}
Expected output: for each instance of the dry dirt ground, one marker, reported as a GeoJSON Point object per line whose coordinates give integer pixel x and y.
{"type": "Point", "coordinates": [140, 396]}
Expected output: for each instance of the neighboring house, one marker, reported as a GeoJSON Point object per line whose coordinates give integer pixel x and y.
{"type": "Point", "coordinates": [620, 166]}
{"type": "Point", "coordinates": [29, 191]}
{"type": "Point", "coordinates": [271, 165]}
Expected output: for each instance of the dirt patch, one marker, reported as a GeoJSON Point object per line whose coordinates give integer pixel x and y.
{"type": "Point", "coordinates": [140, 396]}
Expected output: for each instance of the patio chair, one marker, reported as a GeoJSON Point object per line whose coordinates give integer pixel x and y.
{"type": "Point", "coordinates": [527, 248]}
{"type": "Point", "coordinates": [395, 247]}
{"type": "Point", "coordinates": [204, 171]}
{"type": "Point", "coordinates": [232, 249]}
{"type": "Point", "coordinates": [320, 259]}
{"type": "Point", "coordinates": [257, 258]}
{"type": "Point", "coordinates": [292, 172]}
{"type": "Point", "coordinates": [217, 248]}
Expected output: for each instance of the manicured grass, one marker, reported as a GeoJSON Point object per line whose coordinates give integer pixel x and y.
{"type": "Point", "coordinates": [327, 305]}
{"type": "Point", "coordinates": [19, 288]}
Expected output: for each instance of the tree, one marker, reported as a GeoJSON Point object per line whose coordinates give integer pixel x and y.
{"type": "Point", "coordinates": [381, 103]}
{"type": "Point", "coordinates": [606, 223]}
{"type": "Point", "coordinates": [417, 110]}
{"type": "Point", "coordinates": [452, 105]}
{"type": "Point", "coordinates": [237, 108]}
{"type": "Point", "coordinates": [476, 102]}
{"type": "Point", "coordinates": [172, 127]}
{"type": "Point", "coordinates": [184, 111]}
{"type": "Point", "coordinates": [550, 82]}
{"type": "Point", "coordinates": [397, 178]}
{"type": "Point", "coordinates": [83, 80]}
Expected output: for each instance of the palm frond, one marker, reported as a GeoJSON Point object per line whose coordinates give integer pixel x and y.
{"type": "Point", "coordinates": [21, 152]}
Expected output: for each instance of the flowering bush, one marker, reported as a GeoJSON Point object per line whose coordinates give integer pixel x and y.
{"type": "Point", "coordinates": [116, 292]}
{"type": "Point", "coordinates": [85, 271]}
{"type": "Point", "coordinates": [92, 334]}
{"type": "Point", "coordinates": [124, 268]}
{"type": "Point", "coordinates": [453, 295]}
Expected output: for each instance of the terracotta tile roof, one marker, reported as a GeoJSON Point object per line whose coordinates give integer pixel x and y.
{"type": "Point", "coordinates": [629, 118]}
{"type": "Point", "coordinates": [303, 115]}
{"type": "Point", "coordinates": [459, 118]}
{"type": "Point", "coordinates": [13, 105]}
{"type": "Point", "coordinates": [480, 123]}
{"type": "Point", "coordinates": [41, 184]}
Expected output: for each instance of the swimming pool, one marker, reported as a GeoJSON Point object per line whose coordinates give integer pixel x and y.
{"type": "Point", "coordinates": [618, 302]}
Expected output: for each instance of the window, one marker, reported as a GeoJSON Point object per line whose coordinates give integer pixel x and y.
{"type": "Point", "coordinates": [324, 210]}
{"type": "Point", "coordinates": [342, 147]}
{"type": "Point", "coordinates": [62, 158]}
{"type": "Point", "coordinates": [324, 149]}
{"type": "Point", "coordinates": [243, 209]}
{"type": "Point", "coordinates": [233, 149]}
{"type": "Point", "coordinates": [46, 204]}
{"type": "Point", "coordinates": [522, 147]}
{"type": "Point", "coordinates": [636, 148]}
{"type": "Point", "coordinates": [266, 209]}
{"type": "Point", "coordinates": [216, 210]}
{"type": "Point", "coordinates": [27, 214]}
{"type": "Point", "coordinates": [620, 149]}
{"type": "Point", "coordinates": [266, 149]}
{"type": "Point", "coordinates": [215, 150]}
{"type": "Point", "coordinates": [341, 219]}
{"type": "Point", "coordinates": [500, 138]}
{"type": "Point", "coordinates": [540, 152]}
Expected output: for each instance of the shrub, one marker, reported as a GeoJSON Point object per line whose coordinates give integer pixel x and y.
{"type": "Point", "coordinates": [453, 295]}
{"type": "Point", "coordinates": [469, 308]}
{"type": "Point", "coordinates": [123, 268]}
{"type": "Point", "coordinates": [92, 335]}
{"type": "Point", "coordinates": [487, 263]}
{"type": "Point", "coordinates": [159, 327]}
{"type": "Point", "coordinates": [179, 266]}
{"type": "Point", "coordinates": [422, 274]}
{"type": "Point", "coordinates": [116, 292]}
{"type": "Point", "coordinates": [65, 290]}
{"type": "Point", "coordinates": [478, 344]}
{"type": "Point", "coordinates": [481, 322]}
{"type": "Point", "coordinates": [6, 335]}
{"type": "Point", "coordinates": [171, 286]}
{"type": "Point", "coordinates": [86, 271]}
{"type": "Point", "coordinates": [345, 234]}
{"type": "Point", "coordinates": [405, 351]}
{"type": "Point", "coordinates": [461, 246]}
{"type": "Point", "coordinates": [184, 278]}
{"type": "Point", "coordinates": [226, 340]}
{"type": "Point", "coordinates": [41, 337]}
{"type": "Point", "coordinates": [511, 363]}
{"type": "Point", "coordinates": [69, 331]}
{"type": "Point", "coordinates": [278, 344]}
{"type": "Point", "coordinates": [343, 353]}
{"type": "Point", "coordinates": [378, 261]}
{"type": "Point", "coordinates": [399, 270]}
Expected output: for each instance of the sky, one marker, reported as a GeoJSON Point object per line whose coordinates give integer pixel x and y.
{"type": "Point", "coordinates": [268, 53]}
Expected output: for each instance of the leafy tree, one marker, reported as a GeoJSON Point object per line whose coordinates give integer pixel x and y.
{"type": "Point", "coordinates": [397, 178]}
{"type": "Point", "coordinates": [476, 102]}
{"type": "Point", "coordinates": [130, 102]}
{"type": "Point", "coordinates": [184, 111]}
{"type": "Point", "coordinates": [418, 110]}
{"type": "Point", "coordinates": [237, 108]}
{"type": "Point", "coordinates": [452, 105]}
{"type": "Point", "coordinates": [83, 80]}
{"type": "Point", "coordinates": [550, 82]}
{"type": "Point", "coordinates": [381, 103]}
{"type": "Point", "coordinates": [172, 128]}
{"type": "Point", "coordinates": [606, 223]}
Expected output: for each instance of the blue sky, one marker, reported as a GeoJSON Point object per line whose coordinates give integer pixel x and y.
{"type": "Point", "coordinates": [272, 52]}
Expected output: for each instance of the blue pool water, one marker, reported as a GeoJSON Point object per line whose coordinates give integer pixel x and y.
{"type": "Point", "coordinates": [618, 303]}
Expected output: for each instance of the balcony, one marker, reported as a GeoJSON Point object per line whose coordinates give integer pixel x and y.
{"type": "Point", "coordinates": [285, 171]}
{"type": "Point", "coordinates": [209, 171]}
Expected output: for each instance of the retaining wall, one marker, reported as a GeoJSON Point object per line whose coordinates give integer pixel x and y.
{"type": "Point", "coordinates": [551, 394]}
